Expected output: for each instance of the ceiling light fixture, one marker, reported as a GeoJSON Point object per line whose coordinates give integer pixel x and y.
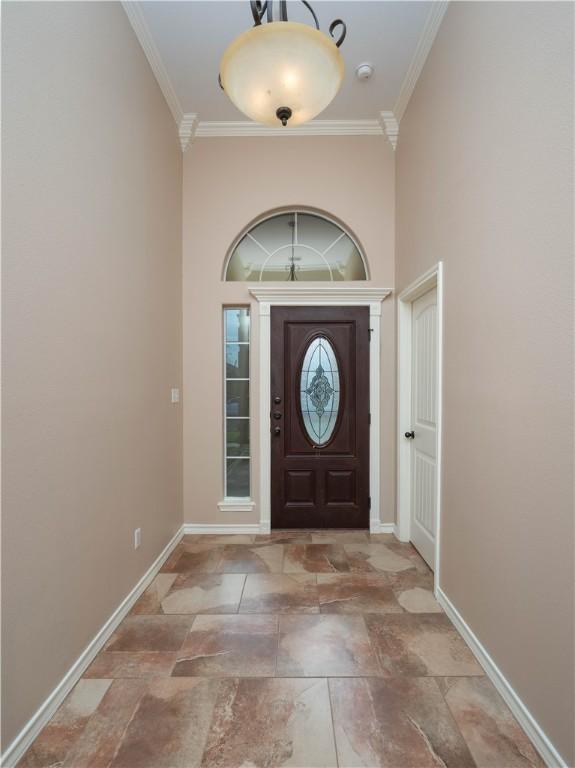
{"type": "Point", "coordinates": [282, 70]}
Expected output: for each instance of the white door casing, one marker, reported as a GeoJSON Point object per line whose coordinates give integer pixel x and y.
{"type": "Point", "coordinates": [329, 295]}
{"type": "Point", "coordinates": [429, 280]}
{"type": "Point", "coordinates": [423, 445]}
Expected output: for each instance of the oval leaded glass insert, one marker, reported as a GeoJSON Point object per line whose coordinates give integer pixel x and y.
{"type": "Point", "coordinates": [319, 390]}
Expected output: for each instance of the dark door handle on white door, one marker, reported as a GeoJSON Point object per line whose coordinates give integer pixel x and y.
{"type": "Point", "coordinates": [410, 435]}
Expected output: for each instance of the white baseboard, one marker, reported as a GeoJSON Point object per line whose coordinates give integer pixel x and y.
{"type": "Point", "coordinates": [236, 505]}
{"type": "Point", "coordinates": [375, 526]}
{"type": "Point", "coordinates": [191, 528]}
{"type": "Point", "coordinates": [46, 711]}
{"type": "Point", "coordinates": [551, 757]}
{"type": "Point", "coordinates": [249, 528]}
{"type": "Point", "coordinates": [31, 730]}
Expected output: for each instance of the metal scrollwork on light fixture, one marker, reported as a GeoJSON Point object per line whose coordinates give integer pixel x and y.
{"type": "Point", "coordinates": [333, 25]}
{"type": "Point", "coordinates": [283, 70]}
{"type": "Point", "coordinates": [259, 9]}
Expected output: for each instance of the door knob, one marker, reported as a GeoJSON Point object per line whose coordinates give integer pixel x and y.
{"type": "Point", "coordinates": [410, 435]}
{"type": "Point", "coordinates": [277, 431]}
{"type": "Point", "coordinates": [277, 415]}
{"type": "Point", "coordinates": [277, 400]}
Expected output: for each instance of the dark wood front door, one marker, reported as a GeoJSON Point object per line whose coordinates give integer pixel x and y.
{"type": "Point", "coordinates": [319, 417]}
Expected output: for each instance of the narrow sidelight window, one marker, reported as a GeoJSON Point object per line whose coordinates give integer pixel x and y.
{"type": "Point", "coordinates": [237, 402]}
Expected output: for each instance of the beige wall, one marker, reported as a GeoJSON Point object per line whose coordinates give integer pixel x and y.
{"type": "Point", "coordinates": [228, 183]}
{"type": "Point", "coordinates": [484, 169]}
{"type": "Point", "coordinates": [92, 334]}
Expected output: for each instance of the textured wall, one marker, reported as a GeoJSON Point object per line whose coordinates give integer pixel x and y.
{"type": "Point", "coordinates": [484, 170]}
{"type": "Point", "coordinates": [92, 334]}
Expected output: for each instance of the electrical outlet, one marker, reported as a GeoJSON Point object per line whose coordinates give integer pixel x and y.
{"type": "Point", "coordinates": [175, 395]}
{"type": "Point", "coordinates": [137, 538]}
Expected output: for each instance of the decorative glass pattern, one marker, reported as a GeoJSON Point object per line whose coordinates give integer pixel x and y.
{"type": "Point", "coordinates": [237, 402]}
{"type": "Point", "coordinates": [319, 390]}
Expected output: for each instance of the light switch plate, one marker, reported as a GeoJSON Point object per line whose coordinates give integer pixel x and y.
{"type": "Point", "coordinates": [137, 538]}
{"type": "Point", "coordinates": [175, 395]}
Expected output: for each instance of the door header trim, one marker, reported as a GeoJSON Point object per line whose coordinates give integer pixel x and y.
{"type": "Point", "coordinates": [318, 295]}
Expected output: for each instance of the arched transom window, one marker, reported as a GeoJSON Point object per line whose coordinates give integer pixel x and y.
{"type": "Point", "coordinates": [296, 246]}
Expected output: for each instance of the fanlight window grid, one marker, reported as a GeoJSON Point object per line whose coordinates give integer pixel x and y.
{"type": "Point", "coordinates": [319, 391]}
{"type": "Point", "coordinates": [296, 246]}
{"type": "Point", "coordinates": [237, 402]}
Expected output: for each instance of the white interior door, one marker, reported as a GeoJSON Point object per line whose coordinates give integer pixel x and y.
{"type": "Point", "coordinates": [424, 392]}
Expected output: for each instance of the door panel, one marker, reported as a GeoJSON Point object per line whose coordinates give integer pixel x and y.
{"type": "Point", "coordinates": [424, 425]}
{"type": "Point", "coordinates": [300, 487]}
{"type": "Point", "coordinates": [319, 417]}
{"type": "Point", "coordinates": [340, 487]}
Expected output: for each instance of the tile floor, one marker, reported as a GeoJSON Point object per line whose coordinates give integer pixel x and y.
{"type": "Point", "coordinates": [294, 649]}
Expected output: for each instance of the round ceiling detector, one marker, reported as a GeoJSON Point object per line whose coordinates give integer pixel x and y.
{"type": "Point", "coordinates": [364, 71]}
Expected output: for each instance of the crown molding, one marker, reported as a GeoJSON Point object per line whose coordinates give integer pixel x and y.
{"type": "Point", "coordinates": [189, 125]}
{"type": "Point", "coordinates": [187, 129]}
{"type": "Point", "coordinates": [390, 126]}
{"type": "Point", "coordinates": [142, 32]}
{"type": "Point", "coordinates": [313, 128]}
{"type": "Point", "coordinates": [428, 35]}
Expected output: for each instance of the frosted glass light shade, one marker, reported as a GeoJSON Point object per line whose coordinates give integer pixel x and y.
{"type": "Point", "coordinates": [282, 64]}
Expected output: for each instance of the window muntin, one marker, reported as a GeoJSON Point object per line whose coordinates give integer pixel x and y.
{"type": "Point", "coordinates": [237, 402]}
{"type": "Point", "coordinates": [319, 390]}
{"type": "Point", "coordinates": [296, 245]}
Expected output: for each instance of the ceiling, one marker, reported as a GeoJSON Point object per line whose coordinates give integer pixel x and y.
{"type": "Point", "coordinates": [184, 41]}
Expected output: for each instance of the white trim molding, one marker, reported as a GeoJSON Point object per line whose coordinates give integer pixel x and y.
{"type": "Point", "coordinates": [383, 528]}
{"type": "Point", "coordinates": [390, 127]}
{"type": "Point", "coordinates": [327, 295]}
{"type": "Point", "coordinates": [433, 278]}
{"type": "Point", "coordinates": [46, 711]}
{"type": "Point", "coordinates": [435, 16]}
{"type": "Point", "coordinates": [142, 31]}
{"type": "Point", "coordinates": [330, 295]}
{"type": "Point", "coordinates": [540, 741]}
{"type": "Point", "coordinates": [187, 129]}
{"type": "Point", "coordinates": [224, 128]}
{"type": "Point", "coordinates": [236, 505]}
{"type": "Point", "coordinates": [223, 528]}
{"type": "Point", "coordinates": [189, 125]}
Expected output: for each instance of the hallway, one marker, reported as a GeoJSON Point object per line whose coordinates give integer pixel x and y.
{"type": "Point", "coordinates": [327, 291]}
{"type": "Point", "coordinates": [291, 649]}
